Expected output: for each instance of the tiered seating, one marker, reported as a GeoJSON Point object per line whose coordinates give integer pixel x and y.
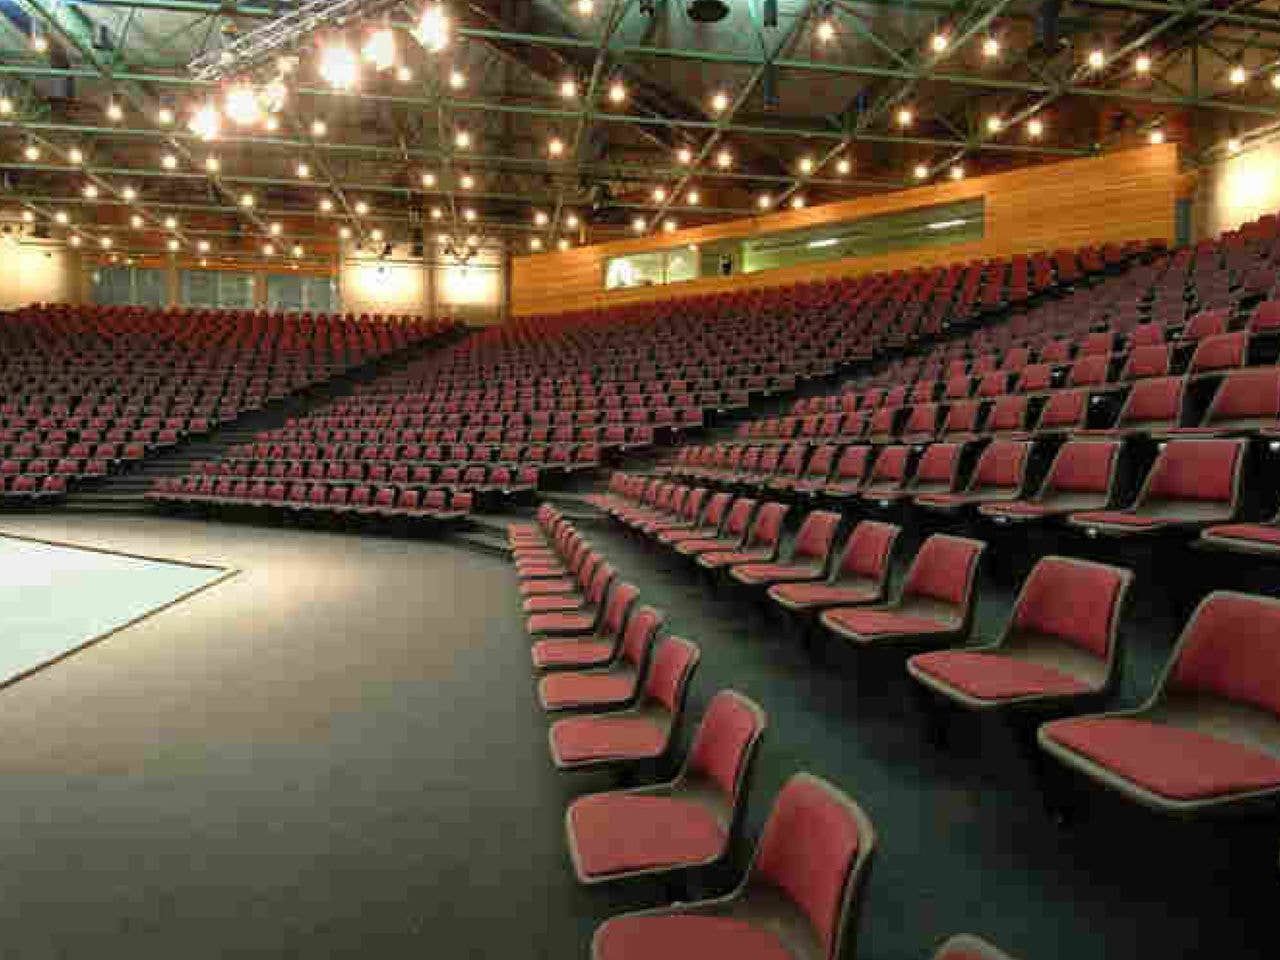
{"type": "Point", "coordinates": [87, 390]}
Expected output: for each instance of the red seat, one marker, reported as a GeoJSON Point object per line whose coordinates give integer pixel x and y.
{"type": "Point", "coordinates": [593, 648]}
{"type": "Point", "coordinates": [999, 475]}
{"type": "Point", "coordinates": [1153, 407]}
{"type": "Point", "coordinates": [1081, 478]}
{"type": "Point", "coordinates": [851, 468]}
{"type": "Point", "coordinates": [798, 902]}
{"type": "Point", "coordinates": [616, 684]}
{"type": "Point", "coordinates": [1209, 736]}
{"type": "Point", "coordinates": [809, 554]}
{"type": "Point", "coordinates": [732, 534]}
{"type": "Point", "coordinates": [685, 823]}
{"type": "Point", "coordinates": [760, 544]}
{"type": "Point", "coordinates": [859, 577]}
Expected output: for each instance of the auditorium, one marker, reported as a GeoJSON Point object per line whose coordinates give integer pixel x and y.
{"type": "Point", "coordinates": [640, 479]}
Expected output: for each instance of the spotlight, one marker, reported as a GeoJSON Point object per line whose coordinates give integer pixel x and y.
{"type": "Point", "coordinates": [939, 42]}
{"type": "Point", "coordinates": [1142, 64]}
{"type": "Point", "coordinates": [303, 171]}
{"type": "Point", "coordinates": [906, 116]}
{"type": "Point", "coordinates": [1035, 128]}
{"type": "Point", "coordinates": [720, 102]}
{"type": "Point", "coordinates": [617, 92]}
{"type": "Point", "coordinates": [991, 48]}
{"type": "Point", "coordinates": [242, 107]}
{"type": "Point", "coordinates": [380, 49]}
{"type": "Point", "coordinates": [319, 128]}
{"type": "Point", "coordinates": [433, 28]}
{"type": "Point", "coordinates": [212, 164]}
{"type": "Point", "coordinates": [844, 166]}
{"type": "Point", "coordinates": [568, 88]}
{"type": "Point", "coordinates": [75, 156]}
{"type": "Point", "coordinates": [338, 67]}
{"type": "Point", "coordinates": [457, 79]}
{"type": "Point", "coordinates": [1097, 59]}
{"type": "Point", "coordinates": [32, 153]}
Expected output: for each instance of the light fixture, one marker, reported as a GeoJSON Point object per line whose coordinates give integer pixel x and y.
{"type": "Point", "coordinates": [617, 92]}
{"type": "Point", "coordinates": [61, 218]}
{"type": "Point", "coordinates": [271, 124]}
{"type": "Point", "coordinates": [462, 139]}
{"type": "Point", "coordinates": [693, 198]}
{"type": "Point", "coordinates": [203, 246]}
{"type": "Point", "coordinates": [115, 113]}
{"type": "Point", "coordinates": [844, 166]}
{"type": "Point", "coordinates": [241, 105]}
{"type": "Point", "coordinates": [174, 245]}
{"type": "Point", "coordinates": [1035, 128]}
{"type": "Point", "coordinates": [75, 240]}
{"type": "Point", "coordinates": [379, 49]}
{"type": "Point", "coordinates": [921, 171]}
{"type": "Point", "coordinates": [555, 147]}
{"type": "Point", "coordinates": [826, 31]}
{"type": "Point", "coordinates": [659, 194]}
{"type": "Point", "coordinates": [404, 74]}
{"type": "Point", "coordinates": [344, 233]}
{"type": "Point", "coordinates": [473, 241]}
{"type": "Point", "coordinates": [1275, 81]}
{"type": "Point", "coordinates": [638, 225]}
{"type": "Point", "coordinates": [212, 164]}
{"type": "Point", "coordinates": [268, 249]}
{"type": "Point", "coordinates": [806, 165]}
{"type": "Point", "coordinates": [797, 202]}
{"type": "Point", "coordinates": [467, 182]}
{"type": "Point", "coordinates": [457, 79]}
{"type": "Point", "coordinates": [571, 221]}
{"type": "Point", "coordinates": [39, 42]}
{"type": "Point", "coordinates": [136, 221]}
{"type": "Point", "coordinates": [28, 216]}
{"type": "Point", "coordinates": [433, 28]}
{"type": "Point", "coordinates": [297, 250]}
{"type": "Point", "coordinates": [6, 106]}
{"type": "Point", "coordinates": [685, 156]}
{"type": "Point", "coordinates": [376, 235]}
{"type": "Point", "coordinates": [1234, 145]}
{"type": "Point", "coordinates": [247, 200]}
{"type": "Point", "coordinates": [276, 229]}
{"type": "Point", "coordinates": [164, 117]}
{"type": "Point", "coordinates": [991, 48]}
{"type": "Point", "coordinates": [669, 226]}
{"type": "Point", "coordinates": [562, 244]}
{"type": "Point", "coordinates": [170, 223]}
{"type": "Point", "coordinates": [206, 122]}
{"type": "Point", "coordinates": [204, 261]}
{"type": "Point", "coordinates": [1238, 75]}
{"type": "Point", "coordinates": [428, 179]}
{"type": "Point", "coordinates": [720, 102]}
{"type": "Point", "coordinates": [1097, 58]}
{"type": "Point", "coordinates": [585, 7]}
{"type": "Point", "coordinates": [436, 213]}
{"type": "Point", "coordinates": [326, 205]}
{"type": "Point", "coordinates": [535, 243]}
{"type": "Point", "coordinates": [764, 201]}
{"type": "Point", "coordinates": [75, 156]}
{"type": "Point", "coordinates": [319, 128]}
{"type": "Point", "coordinates": [939, 42]}
{"type": "Point", "coordinates": [469, 215]}
{"type": "Point", "coordinates": [91, 191]}
{"type": "Point", "coordinates": [568, 88]}
{"type": "Point", "coordinates": [129, 193]}
{"type": "Point", "coordinates": [105, 243]}
{"type": "Point", "coordinates": [338, 67]}
{"type": "Point", "coordinates": [32, 152]}
{"type": "Point", "coordinates": [724, 159]}
{"type": "Point", "coordinates": [361, 208]}
{"type": "Point", "coordinates": [1156, 136]}
{"type": "Point", "coordinates": [1142, 64]}
{"type": "Point", "coordinates": [540, 218]}
{"type": "Point", "coordinates": [994, 124]}
{"type": "Point", "coordinates": [905, 116]}
{"type": "Point", "coordinates": [957, 172]}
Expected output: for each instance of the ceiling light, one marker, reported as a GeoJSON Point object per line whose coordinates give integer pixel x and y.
{"type": "Point", "coordinates": [376, 235]}
{"type": "Point", "coordinates": [91, 191]}
{"type": "Point", "coordinates": [994, 124]}
{"type": "Point", "coordinates": [105, 243]}
{"type": "Point", "coordinates": [75, 240]}
{"type": "Point", "coordinates": [585, 7]}
{"type": "Point", "coordinates": [1237, 76]}
{"type": "Point", "coordinates": [428, 179]}
{"type": "Point", "coordinates": [939, 42]}
{"type": "Point", "coordinates": [1156, 136]}
{"type": "Point", "coordinates": [241, 105]}
{"type": "Point", "coordinates": [669, 226]}
{"type": "Point", "coordinates": [380, 49]}
{"type": "Point", "coordinates": [826, 31]}
{"type": "Point", "coordinates": [338, 67]}
{"type": "Point", "coordinates": [921, 171]}
{"type": "Point", "coordinates": [797, 202]}
{"type": "Point", "coordinates": [319, 128]}
{"type": "Point", "coordinates": [268, 249]}
{"type": "Point", "coordinates": [170, 223]}
{"type": "Point", "coordinates": [404, 74]}
{"type": "Point", "coordinates": [1035, 128]}
{"type": "Point", "coordinates": [361, 208]}
{"type": "Point", "coordinates": [28, 216]}
{"type": "Point", "coordinates": [568, 88]}
{"type": "Point", "coordinates": [844, 166]}
{"type": "Point", "coordinates": [203, 246]}
{"type": "Point", "coordinates": [75, 156]}
{"type": "Point", "coordinates": [905, 116]}
{"type": "Point", "coordinates": [540, 218]}
{"type": "Point", "coordinates": [693, 198]}
{"type": "Point", "coordinates": [724, 159]}
{"type": "Point", "coordinates": [617, 92]}
{"type": "Point", "coordinates": [61, 217]}
{"type": "Point", "coordinates": [174, 245]}
{"type": "Point", "coordinates": [467, 182]}
{"type": "Point", "coordinates": [991, 48]}
{"type": "Point", "coordinates": [276, 229]}
{"type": "Point", "coordinates": [164, 116]}
{"type": "Point", "coordinates": [462, 139]}
{"type": "Point", "coordinates": [32, 152]}
{"type": "Point", "coordinates": [115, 113]}
{"type": "Point", "coordinates": [806, 165]}
{"type": "Point", "coordinates": [555, 147]}
{"type": "Point", "coordinates": [436, 213]}
{"type": "Point", "coordinates": [246, 200]}
{"type": "Point", "coordinates": [326, 205]}
{"type": "Point", "coordinates": [720, 102]}
{"type": "Point", "coordinates": [6, 105]}
{"type": "Point", "coordinates": [1142, 64]}
{"type": "Point", "coordinates": [535, 243]}
{"type": "Point", "coordinates": [39, 42]}
{"type": "Point", "coordinates": [212, 164]}
{"type": "Point", "coordinates": [344, 233]}
{"type": "Point", "coordinates": [433, 28]}
{"type": "Point", "coordinates": [659, 194]}
{"type": "Point", "coordinates": [136, 221]}
{"type": "Point", "coordinates": [685, 156]}
{"type": "Point", "coordinates": [1275, 81]}
{"type": "Point", "coordinates": [129, 193]}
{"type": "Point", "coordinates": [1234, 145]}
{"type": "Point", "coordinates": [571, 221]}
{"type": "Point", "coordinates": [457, 79]}
{"type": "Point", "coordinates": [271, 124]}
{"type": "Point", "coordinates": [469, 215]}
{"type": "Point", "coordinates": [297, 250]}
{"type": "Point", "coordinates": [1097, 59]}
{"type": "Point", "coordinates": [563, 244]}
{"type": "Point", "coordinates": [957, 172]}
{"type": "Point", "coordinates": [206, 122]}
{"type": "Point", "coordinates": [638, 225]}
{"type": "Point", "coordinates": [763, 201]}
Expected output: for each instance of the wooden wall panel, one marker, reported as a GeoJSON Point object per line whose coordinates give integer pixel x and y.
{"type": "Point", "coordinates": [1127, 195]}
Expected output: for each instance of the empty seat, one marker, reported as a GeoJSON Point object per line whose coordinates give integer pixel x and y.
{"type": "Point", "coordinates": [860, 575]}
{"type": "Point", "coordinates": [1153, 407]}
{"type": "Point", "coordinates": [999, 475]}
{"type": "Point", "coordinates": [851, 468]}
{"type": "Point", "coordinates": [1208, 738]}
{"type": "Point", "coordinates": [760, 545]}
{"type": "Point", "coordinates": [731, 535]}
{"type": "Point", "coordinates": [1058, 646]}
{"type": "Point", "coordinates": [707, 527]}
{"type": "Point", "coordinates": [934, 606]}
{"type": "Point", "coordinates": [810, 554]}
{"type": "Point", "coordinates": [1247, 401]}
{"type": "Point", "coordinates": [799, 900]}
{"type": "Point", "coordinates": [888, 475]}
{"type": "Point", "coordinates": [1193, 483]}
{"type": "Point", "coordinates": [686, 823]}
{"type": "Point", "coordinates": [596, 649]}
{"type": "Point", "coordinates": [1081, 478]}
{"type": "Point", "coordinates": [1220, 352]}
{"type": "Point", "coordinates": [615, 685]}
{"type": "Point", "coordinates": [644, 732]}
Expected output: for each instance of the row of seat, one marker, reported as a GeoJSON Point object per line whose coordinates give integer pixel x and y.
{"type": "Point", "coordinates": [1206, 739]}
{"type": "Point", "coordinates": [627, 687]}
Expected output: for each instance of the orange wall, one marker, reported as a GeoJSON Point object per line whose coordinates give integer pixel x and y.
{"type": "Point", "coordinates": [1122, 196]}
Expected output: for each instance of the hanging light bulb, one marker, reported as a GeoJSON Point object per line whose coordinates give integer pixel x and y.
{"type": "Point", "coordinates": [562, 244]}
{"type": "Point", "coordinates": [91, 191]}
{"type": "Point", "coordinates": [991, 48]}
{"type": "Point", "coordinates": [797, 202]}
{"type": "Point", "coordinates": [105, 243]}
{"type": "Point", "coordinates": [32, 152]}
{"type": "Point", "coordinates": [1035, 128]}
{"type": "Point", "coordinates": [274, 95]}
{"type": "Point", "coordinates": [1156, 136]}
{"type": "Point", "coordinates": [1238, 75]}
{"type": "Point", "coordinates": [844, 166]}
{"type": "Point", "coordinates": [939, 42]}
{"type": "Point", "coordinates": [724, 159]}
{"type": "Point", "coordinates": [361, 208]}
{"type": "Point", "coordinates": [994, 124]}
{"type": "Point", "coordinates": [1142, 64]}
{"type": "Point", "coordinates": [164, 117]}
{"type": "Point", "coordinates": [75, 240]}
{"type": "Point", "coordinates": [170, 223]}
{"type": "Point", "coordinates": [921, 171]}
{"type": "Point", "coordinates": [436, 213]}
{"type": "Point", "coordinates": [39, 42]}
{"type": "Point", "coordinates": [540, 218]}
{"type": "Point", "coordinates": [905, 116]}
{"type": "Point", "coordinates": [271, 124]}
{"type": "Point", "coordinates": [617, 92]}
{"type": "Point", "coordinates": [326, 205]}
{"type": "Point", "coordinates": [684, 156]}
{"type": "Point", "coordinates": [404, 74]}
{"type": "Point", "coordinates": [6, 106]}
{"type": "Point", "coordinates": [957, 172]}
{"type": "Point", "coordinates": [764, 201]}
{"type": "Point", "coordinates": [203, 246]}
{"type": "Point", "coordinates": [212, 164]}
{"type": "Point", "coordinates": [241, 105]}
{"type": "Point", "coordinates": [457, 79]}
{"type": "Point", "coordinates": [1275, 81]}
{"type": "Point", "coordinates": [693, 198]}
{"type": "Point", "coordinates": [462, 139]}
{"type": "Point", "coordinates": [247, 200]}
{"type": "Point", "coordinates": [568, 88]}
{"type": "Point", "coordinates": [344, 233]}
{"type": "Point", "coordinates": [720, 102]}
{"type": "Point", "coordinates": [1234, 145]}
{"type": "Point", "coordinates": [433, 28]}
{"type": "Point", "coordinates": [585, 7]}
{"type": "Point", "coordinates": [428, 180]}
{"type": "Point", "coordinates": [826, 31]}
{"type": "Point", "coordinates": [379, 49]}
{"type": "Point", "coordinates": [338, 67]}
{"type": "Point", "coordinates": [638, 224]}
{"type": "Point", "coordinates": [206, 122]}
{"type": "Point", "coordinates": [1097, 58]}
{"type": "Point", "coordinates": [75, 156]}
{"type": "Point", "coordinates": [129, 193]}
{"type": "Point", "coordinates": [61, 218]}
{"type": "Point", "coordinates": [659, 194]}
{"type": "Point", "coordinates": [319, 128]}
{"type": "Point", "coordinates": [535, 243]}
{"type": "Point", "coordinates": [297, 250]}
{"type": "Point", "coordinates": [268, 249]}
{"type": "Point", "coordinates": [136, 221]}
{"type": "Point", "coordinates": [276, 229]}
{"type": "Point", "coordinates": [555, 147]}
{"type": "Point", "coordinates": [303, 171]}
{"type": "Point", "coordinates": [467, 182]}
{"type": "Point", "coordinates": [571, 220]}
{"type": "Point", "coordinates": [115, 113]}
{"type": "Point", "coordinates": [28, 216]}
{"type": "Point", "coordinates": [669, 226]}
{"type": "Point", "coordinates": [806, 165]}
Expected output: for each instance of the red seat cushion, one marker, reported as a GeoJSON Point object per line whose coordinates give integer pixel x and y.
{"type": "Point", "coordinates": [571, 653]}
{"type": "Point", "coordinates": [559, 622]}
{"type": "Point", "coordinates": [1171, 761]}
{"type": "Point", "coordinates": [536, 588]}
{"type": "Point", "coordinates": [618, 833]}
{"type": "Point", "coordinates": [571, 689]}
{"type": "Point", "coordinates": [1116, 518]}
{"type": "Point", "coordinates": [821, 594]}
{"type": "Point", "coordinates": [774, 572]}
{"type": "Point", "coordinates": [1018, 508]}
{"type": "Point", "coordinates": [943, 499]}
{"type": "Point", "coordinates": [871, 623]}
{"type": "Point", "coordinates": [546, 604]}
{"type": "Point", "coordinates": [1256, 532]}
{"type": "Point", "coordinates": [580, 739]}
{"type": "Point", "coordinates": [994, 677]}
{"type": "Point", "coordinates": [686, 938]}
{"type": "Point", "coordinates": [718, 558]}
{"type": "Point", "coordinates": [696, 545]}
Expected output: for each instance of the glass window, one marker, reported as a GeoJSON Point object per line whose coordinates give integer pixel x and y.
{"type": "Point", "coordinates": [217, 289]}
{"type": "Point", "coordinates": [129, 285]}
{"type": "Point", "coordinates": [294, 293]}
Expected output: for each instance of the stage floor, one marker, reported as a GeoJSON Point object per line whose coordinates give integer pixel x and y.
{"type": "Point", "coordinates": [55, 598]}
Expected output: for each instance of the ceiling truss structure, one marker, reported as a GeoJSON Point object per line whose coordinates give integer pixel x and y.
{"type": "Point", "coordinates": [824, 83]}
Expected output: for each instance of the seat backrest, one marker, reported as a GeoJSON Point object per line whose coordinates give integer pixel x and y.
{"type": "Point", "coordinates": [739, 518]}
{"type": "Point", "coordinates": [815, 536]}
{"type": "Point", "coordinates": [717, 508]}
{"type": "Point", "coordinates": [1064, 408]}
{"type": "Point", "coordinates": [869, 549]}
{"type": "Point", "coordinates": [1001, 466]}
{"type": "Point", "coordinates": [726, 741]}
{"type": "Point", "coordinates": [1083, 466]}
{"type": "Point", "coordinates": [1244, 394]}
{"type": "Point", "coordinates": [674, 663]}
{"type": "Point", "coordinates": [767, 528]}
{"type": "Point", "coordinates": [815, 850]}
{"type": "Point", "coordinates": [820, 463]}
{"type": "Point", "coordinates": [890, 467]}
{"type": "Point", "coordinates": [1230, 648]}
{"type": "Point", "coordinates": [853, 463]}
{"type": "Point", "coordinates": [638, 635]}
{"type": "Point", "coordinates": [1157, 400]}
{"type": "Point", "coordinates": [944, 569]}
{"type": "Point", "coordinates": [1076, 601]}
{"type": "Point", "coordinates": [963, 946]}
{"type": "Point", "coordinates": [617, 608]}
{"type": "Point", "coordinates": [938, 463]}
{"type": "Point", "coordinates": [1219, 352]}
{"type": "Point", "coordinates": [1202, 470]}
